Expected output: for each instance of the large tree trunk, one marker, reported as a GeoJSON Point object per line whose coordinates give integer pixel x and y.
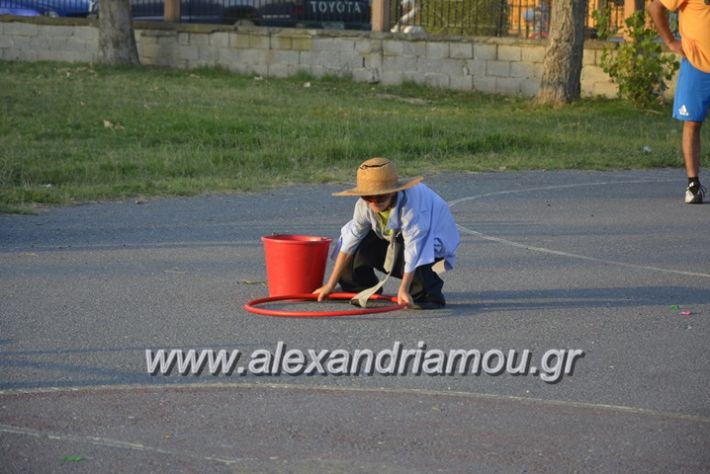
{"type": "Point", "coordinates": [562, 66]}
{"type": "Point", "coordinates": [117, 45]}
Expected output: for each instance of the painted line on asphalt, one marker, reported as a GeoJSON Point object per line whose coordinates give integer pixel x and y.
{"type": "Point", "coordinates": [560, 253]}
{"type": "Point", "coordinates": [131, 246]}
{"type": "Point", "coordinates": [619, 409]}
{"type": "Point", "coordinates": [113, 443]}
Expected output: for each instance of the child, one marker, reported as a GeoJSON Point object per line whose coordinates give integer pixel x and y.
{"type": "Point", "coordinates": [404, 219]}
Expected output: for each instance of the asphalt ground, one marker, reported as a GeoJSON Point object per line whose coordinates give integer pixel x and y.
{"type": "Point", "coordinates": [611, 264]}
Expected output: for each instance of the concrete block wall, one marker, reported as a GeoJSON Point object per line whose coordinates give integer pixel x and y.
{"type": "Point", "coordinates": [505, 66]}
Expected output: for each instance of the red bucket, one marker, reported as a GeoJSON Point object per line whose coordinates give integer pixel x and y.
{"type": "Point", "coordinates": [295, 263]}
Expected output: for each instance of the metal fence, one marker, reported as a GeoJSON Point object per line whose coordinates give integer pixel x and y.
{"type": "Point", "coordinates": [520, 18]}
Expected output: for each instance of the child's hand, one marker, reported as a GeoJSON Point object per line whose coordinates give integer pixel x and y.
{"type": "Point", "coordinates": [323, 291]}
{"type": "Point", "coordinates": [403, 297]}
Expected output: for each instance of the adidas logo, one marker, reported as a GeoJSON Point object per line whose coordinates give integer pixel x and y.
{"type": "Point", "coordinates": [683, 111]}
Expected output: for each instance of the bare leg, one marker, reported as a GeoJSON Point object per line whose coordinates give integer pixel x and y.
{"type": "Point", "coordinates": [691, 147]}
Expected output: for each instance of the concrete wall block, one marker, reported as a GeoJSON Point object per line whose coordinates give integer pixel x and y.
{"type": "Point", "coordinates": [532, 54]}
{"type": "Point", "coordinates": [21, 29]}
{"type": "Point", "coordinates": [302, 43]}
{"type": "Point", "coordinates": [282, 70]}
{"type": "Point", "coordinates": [24, 55]}
{"type": "Point", "coordinates": [461, 82]}
{"type": "Point", "coordinates": [144, 39]}
{"type": "Point", "coordinates": [530, 88]}
{"type": "Point", "coordinates": [241, 40]}
{"type": "Point", "coordinates": [390, 78]}
{"type": "Point", "coordinates": [436, 80]}
{"type": "Point", "coordinates": [414, 76]}
{"type": "Point", "coordinates": [318, 70]}
{"type": "Point", "coordinates": [485, 51]}
{"type": "Point", "coordinates": [604, 89]}
{"type": "Point", "coordinates": [47, 55]}
{"type": "Point", "coordinates": [166, 57]}
{"type": "Point", "coordinates": [399, 63]}
{"type": "Point", "coordinates": [329, 59]}
{"type": "Point", "coordinates": [415, 48]}
{"type": "Point", "coordinates": [594, 74]}
{"type": "Point", "coordinates": [484, 84]}
{"type": "Point", "coordinates": [373, 60]}
{"type": "Point", "coordinates": [249, 56]}
{"type": "Point", "coordinates": [42, 43]}
{"type": "Point", "coordinates": [170, 39]}
{"type": "Point", "coordinates": [393, 47]}
{"type": "Point", "coordinates": [368, 46]}
{"type": "Point", "coordinates": [498, 68]}
{"type": "Point", "coordinates": [56, 32]}
{"type": "Point", "coordinates": [199, 39]}
{"type": "Point", "coordinates": [369, 75]}
{"type": "Point", "coordinates": [461, 50]}
{"type": "Point", "coordinates": [509, 53]}
{"type": "Point", "coordinates": [509, 85]}
{"type": "Point", "coordinates": [146, 51]}
{"type": "Point", "coordinates": [437, 50]}
{"type": "Point", "coordinates": [290, 58]}
{"type": "Point", "coordinates": [236, 66]}
{"type": "Point", "coordinates": [591, 57]}
{"type": "Point", "coordinates": [227, 56]}
{"type": "Point", "coordinates": [259, 70]}
{"type": "Point", "coordinates": [207, 56]}
{"type": "Point", "coordinates": [281, 42]}
{"type": "Point", "coordinates": [219, 39]}
{"type": "Point", "coordinates": [187, 53]}
{"type": "Point", "coordinates": [80, 45]}
{"type": "Point", "coordinates": [259, 42]}
{"type": "Point", "coordinates": [452, 67]}
{"type": "Point", "coordinates": [306, 58]}
{"type": "Point", "coordinates": [427, 65]}
{"type": "Point", "coordinates": [89, 33]}
{"type": "Point", "coordinates": [525, 70]}
{"type": "Point", "coordinates": [476, 67]}
{"type": "Point", "coordinates": [442, 66]}
{"type": "Point", "coordinates": [6, 41]}
{"type": "Point", "coordinates": [76, 56]}
{"type": "Point", "coordinates": [183, 38]}
{"type": "Point", "coordinates": [334, 44]}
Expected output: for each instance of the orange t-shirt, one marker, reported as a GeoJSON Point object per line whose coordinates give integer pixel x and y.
{"type": "Point", "coordinates": [694, 19]}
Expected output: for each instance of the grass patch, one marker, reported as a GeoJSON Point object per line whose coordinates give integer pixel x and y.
{"type": "Point", "coordinates": [75, 132]}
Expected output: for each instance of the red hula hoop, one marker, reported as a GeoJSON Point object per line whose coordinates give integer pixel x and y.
{"type": "Point", "coordinates": [251, 306]}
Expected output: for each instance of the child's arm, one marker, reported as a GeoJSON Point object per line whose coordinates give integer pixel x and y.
{"type": "Point", "coordinates": [340, 262]}
{"type": "Point", "coordinates": [403, 296]}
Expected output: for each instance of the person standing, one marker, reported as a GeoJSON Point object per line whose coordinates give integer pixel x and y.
{"type": "Point", "coordinates": [692, 94]}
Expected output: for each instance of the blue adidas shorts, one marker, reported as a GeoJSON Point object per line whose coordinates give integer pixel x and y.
{"type": "Point", "coordinates": [692, 94]}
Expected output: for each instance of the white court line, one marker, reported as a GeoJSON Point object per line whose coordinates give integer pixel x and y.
{"type": "Point", "coordinates": [499, 240]}
{"type": "Point", "coordinates": [619, 409]}
{"type": "Point", "coordinates": [113, 443]}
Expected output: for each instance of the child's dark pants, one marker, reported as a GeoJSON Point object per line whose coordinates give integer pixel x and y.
{"type": "Point", "coordinates": [370, 254]}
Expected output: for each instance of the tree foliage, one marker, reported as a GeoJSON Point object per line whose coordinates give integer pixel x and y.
{"type": "Point", "coordinates": [638, 66]}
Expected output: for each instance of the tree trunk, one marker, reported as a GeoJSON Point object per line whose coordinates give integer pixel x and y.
{"type": "Point", "coordinates": [117, 45]}
{"type": "Point", "coordinates": [562, 66]}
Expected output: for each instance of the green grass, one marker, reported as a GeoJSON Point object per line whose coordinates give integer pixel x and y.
{"type": "Point", "coordinates": [73, 133]}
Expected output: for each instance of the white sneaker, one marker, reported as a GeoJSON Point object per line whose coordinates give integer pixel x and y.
{"type": "Point", "coordinates": [695, 194]}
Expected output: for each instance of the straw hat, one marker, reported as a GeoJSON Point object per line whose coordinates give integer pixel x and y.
{"type": "Point", "coordinates": [378, 176]}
